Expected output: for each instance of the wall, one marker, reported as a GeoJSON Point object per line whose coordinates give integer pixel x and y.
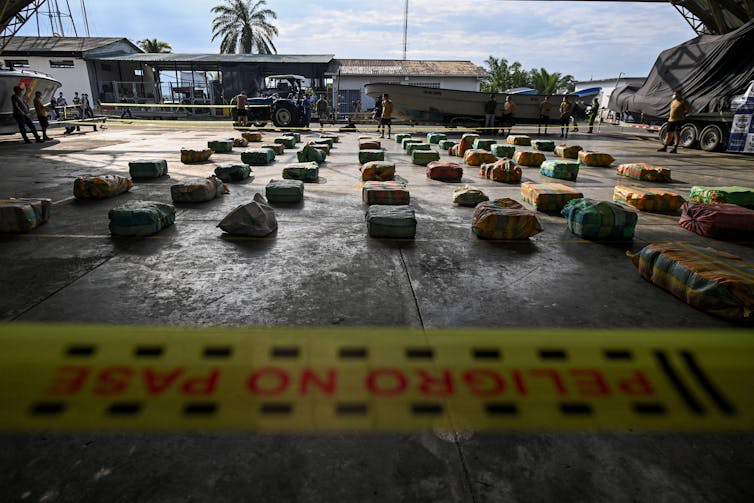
{"type": "Point", "coordinates": [72, 79]}
{"type": "Point", "coordinates": [357, 82]}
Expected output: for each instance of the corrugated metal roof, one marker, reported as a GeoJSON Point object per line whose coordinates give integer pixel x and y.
{"type": "Point", "coordinates": [399, 67]}
{"type": "Point", "coordinates": [60, 44]}
{"type": "Point", "coordinates": [218, 58]}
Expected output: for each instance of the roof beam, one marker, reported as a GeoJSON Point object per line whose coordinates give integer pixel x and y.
{"type": "Point", "coordinates": [13, 21]}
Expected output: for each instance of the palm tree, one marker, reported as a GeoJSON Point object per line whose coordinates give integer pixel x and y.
{"type": "Point", "coordinates": [551, 83]}
{"type": "Point", "coordinates": [154, 45]}
{"type": "Point", "coordinates": [243, 26]}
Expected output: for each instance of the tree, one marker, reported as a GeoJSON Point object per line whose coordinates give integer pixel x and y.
{"type": "Point", "coordinates": [243, 26]}
{"type": "Point", "coordinates": [504, 76]}
{"type": "Point", "coordinates": [154, 45]}
{"type": "Point", "coordinates": [551, 83]}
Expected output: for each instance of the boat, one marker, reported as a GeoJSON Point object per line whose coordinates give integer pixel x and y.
{"type": "Point", "coordinates": [31, 81]}
{"type": "Point", "coordinates": [419, 104]}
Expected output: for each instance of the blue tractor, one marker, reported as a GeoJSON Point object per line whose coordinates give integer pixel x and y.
{"type": "Point", "coordinates": [279, 106]}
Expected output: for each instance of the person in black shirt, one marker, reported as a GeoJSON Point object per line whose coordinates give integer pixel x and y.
{"type": "Point", "coordinates": [21, 114]}
{"type": "Point", "coordinates": [489, 113]}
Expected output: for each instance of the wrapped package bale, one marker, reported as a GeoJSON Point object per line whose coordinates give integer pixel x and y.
{"type": "Point", "coordinates": [402, 136]}
{"type": "Point", "coordinates": [504, 219]}
{"type": "Point", "coordinates": [100, 187]}
{"type": "Point", "coordinates": [566, 152]}
{"type": "Point", "coordinates": [424, 157]}
{"type": "Point", "coordinates": [255, 219]}
{"type": "Point", "coordinates": [296, 136]}
{"type": "Point", "coordinates": [484, 144]}
{"type": "Point", "coordinates": [310, 154]}
{"type": "Point", "coordinates": [469, 196]}
{"type": "Point", "coordinates": [548, 197]}
{"type": "Point", "coordinates": [476, 157]}
{"type": "Point", "coordinates": [413, 147]}
{"type": "Point", "coordinates": [277, 148]}
{"type": "Point", "coordinates": [23, 215]}
{"type": "Point", "coordinates": [447, 144]}
{"type": "Point", "coordinates": [369, 144]}
{"type": "Point", "coordinates": [284, 191]}
{"type": "Point", "coordinates": [466, 143]}
{"type": "Point", "coordinates": [521, 140]}
{"type": "Point", "coordinates": [504, 171]}
{"type": "Point", "coordinates": [141, 218]}
{"type": "Point", "coordinates": [233, 172]}
{"type": "Point", "coordinates": [387, 193]}
{"type": "Point", "coordinates": [391, 221]}
{"type": "Point", "coordinates": [304, 171]}
{"type": "Point", "coordinates": [148, 168]}
{"type": "Point", "coordinates": [596, 159]}
{"type": "Point", "coordinates": [454, 150]}
{"type": "Point", "coordinates": [324, 147]}
{"type": "Point", "coordinates": [324, 141]}
{"type": "Point", "coordinates": [543, 145]}
{"type": "Point", "coordinates": [409, 141]}
{"type": "Point", "coordinates": [190, 156]}
{"type": "Point", "coordinates": [285, 141]}
{"type": "Point", "coordinates": [742, 196]}
{"type": "Point", "coordinates": [220, 146]}
{"type": "Point", "coordinates": [378, 171]}
{"type": "Point", "coordinates": [592, 219]}
{"type": "Point", "coordinates": [645, 199]}
{"type": "Point", "coordinates": [371, 155]}
{"type": "Point", "coordinates": [501, 150]}
{"type": "Point", "coordinates": [257, 156]}
{"type": "Point", "coordinates": [563, 170]}
{"type": "Point", "coordinates": [444, 171]}
{"type": "Point", "coordinates": [197, 190]}
{"type": "Point", "coordinates": [332, 137]}
{"type": "Point", "coordinates": [710, 280]}
{"type": "Point", "coordinates": [644, 172]}
{"type": "Point", "coordinates": [252, 137]}
{"type": "Point", "coordinates": [436, 138]}
{"type": "Point", "coordinates": [532, 159]}
{"type": "Point", "coordinates": [239, 142]}
{"type": "Point", "coordinates": [720, 221]}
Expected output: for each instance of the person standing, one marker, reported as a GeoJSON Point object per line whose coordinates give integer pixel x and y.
{"type": "Point", "coordinates": [387, 115]}
{"type": "Point", "coordinates": [241, 100]}
{"type": "Point", "coordinates": [77, 104]}
{"type": "Point", "coordinates": [509, 111]}
{"type": "Point", "coordinates": [545, 109]}
{"type": "Point", "coordinates": [377, 114]}
{"type": "Point", "coordinates": [566, 108]}
{"type": "Point", "coordinates": [62, 103]}
{"type": "Point", "coordinates": [307, 104]}
{"type": "Point", "coordinates": [593, 113]}
{"type": "Point", "coordinates": [489, 113]}
{"type": "Point", "coordinates": [86, 106]}
{"type": "Point", "coordinates": [21, 114]}
{"type": "Point", "coordinates": [321, 107]}
{"type": "Point", "coordinates": [679, 108]}
{"type": "Point", "coordinates": [41, 115]}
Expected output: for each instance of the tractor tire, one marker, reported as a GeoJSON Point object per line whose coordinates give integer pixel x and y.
{"type": "Point", "coordinates": [284, 115]}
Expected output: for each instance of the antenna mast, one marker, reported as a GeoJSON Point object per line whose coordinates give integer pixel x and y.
{"type": "Point", "coordinates": [405, 30]}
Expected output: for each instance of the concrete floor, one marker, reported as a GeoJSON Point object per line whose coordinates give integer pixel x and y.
{"type": "Point", "coordinates": [321, 269]}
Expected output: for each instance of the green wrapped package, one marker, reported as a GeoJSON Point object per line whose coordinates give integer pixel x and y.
{"type": "Point", "coordinates": [23, 215]}
{"type": "Point", "coordinates": [402, 136]}
{"type": "Point", "coordinates": [286, 141]}
{"type": "Point", "coordinates": [278, 148]}
{"type": "Point", "coordinates": [435, 138]}
{"type": "Point", "coordinates": [424, 157]}
{"type": "Point", "coordinates": [742, 196]}
{"type": "Point", "coordinates": [469, 196]}
{"type": "Point", "coordinates": [220, 146]}
{"type": "Point", "coordinates": [592, 219]}
{"type": "Point", "coordinates": [335, 138]}
{"type": "Point", "coordinates": [148, 168]}
{"type": "Point", "coordinates": [328, 141]}
{"type": "Point", "coordinates": [233, 172]}
{"type": "Point", "coordinates": [296, 136]}
{"type": "Point", "coordinates": [447, 144]}
{"type": "Point", "coordinates": [258, 156]}
{"type": "Point", "coordinates": [484, 143]}
{"type": "Point", "coordinates": [563, 170]}
{"type": "Point", "coordinates": [543, 145]}
{"type": "Point", "coordinates": [408, 141]}
{"type": "Point", "coordinates": [501, 150]}
{"type": "Point", "coordinates": [371, 155]}
{"type": "Point", "coordinates": [413, 147]}
{"type": "Point", "coordinates": [391, 221]}
{"type": "Point", "coordinates": [141, 218]}
{"type": "Point", "coordinates": [285, 191]}
{"type": "Point", "coordinates": [310, 154]}
{"type": "Point", "coordinates": [304, 171]}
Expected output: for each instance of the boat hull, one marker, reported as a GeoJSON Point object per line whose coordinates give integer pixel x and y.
{"type": "Point", "coordinates": [31, 82]}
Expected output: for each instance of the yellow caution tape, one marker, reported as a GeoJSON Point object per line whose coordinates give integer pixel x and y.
{"type": "Point", "coordinates": [357, 379]}
{"type": "Point", "coordinates": [175, 105]}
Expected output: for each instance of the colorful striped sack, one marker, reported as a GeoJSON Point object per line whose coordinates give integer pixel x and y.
{"type": "Point", "coordinates": [220, 146]}
{"type": "Point", "coordinates": [196, 190]}
{"type": "Point", "coordinates": [455, 150]}
{"type": "Point", "coordinates": [543, 145]}
{"type": "Point", "coordinates": [447, 144]}
{"type": "Point", "coordinates": [257, 156]}
{"type": "Point", "coordinates": [276, 148]}
{"type": "Point", "coordinates": [309, 153]}
{"type": "Point", "coordinates": [504, 171]}
{"type": "Point", "coordinates": [378, 171]}
{"type": "Point", "coordinates": [532, 159]}
{"type": "Point", "coordinates": [369, 145]}
{"type": "Point", "coordinates": [466, 143]}
{"type": "Point", "coordinates": [548, 196]}
{"type": "Point", "coordinates": [148, 168]}
{"type": "Point", "coordinates": [504, 219]}
{"type": "Point", "coordinates": [644, 172]}
{"type": "Point", "coordinates": [445, 171]}
{"type": "Point", "coordinates": [141, 218]}
{"type": "Point", "coordinates": [501, 150]}
{"type": "Point", "coordinates": [239, 142]}
{"type": "Point", "coordinates": [475, 157]}
{"type": "Point", "coordinates": [571, 152]}
{"type": "Point", "coordinates": [563, 170]}
{"type": "Point", "coordinates": [521, 140]}
{"type": "Point", "coordinates": [424, 157]}
{"type": "Point", "coordinates": [721, 221]}
{"type": "Point", "coordinates": [100, 187]}
{"type": "Point", "coordinates": [742, 196]}
{"type": "Point", "coordinates": [232, 172]}
{"type": "Point", "coordinates": [435, 138]}
{"type": "Point", "coordinates": [596, 159]}
{"type": "Point", "coordinates": [469, 196]}
{"type": "Point", "coordinates": [284, 191]}
{"type": "Point", "coordinates": [285, 141]}
{"type": "Point", "coordinates": [252, 137]}
{"type": "Point", "coordinates": [397, 222]}
{"type": "Point", "coordinates": [387, 193]}
{"type": "Point", "coordinates": [371, 155]}
{"type": "Point", "coordinates": [413, 147]}
{"type": "Point", "coordinates": [23, 215]}
{"type": "Point", "coordinates": [592, 219]}
{"type": "Point", "coordinates": [657, 200]}
{"type": "Point", "coordinates": [190, 156]}
{"type": "Point", "coordinates": [484, 144]}
{"type": "Point", "coordinates": [304, 171]}
{"type": "Point", "coordinates": [402, 136]}
{"type": "Point", "coordinates": [707, 279]}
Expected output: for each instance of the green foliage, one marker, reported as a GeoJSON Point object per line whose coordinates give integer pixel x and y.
{"type": "Point", "coordinates": [504, 76]}
{"type": "Point", "coordinates": [154, 45]}
{"type": "Point", "coordinates": [243, 26]}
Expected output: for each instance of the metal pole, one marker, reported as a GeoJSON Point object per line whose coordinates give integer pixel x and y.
{"type": "Point", "coordinates": [405, 29]}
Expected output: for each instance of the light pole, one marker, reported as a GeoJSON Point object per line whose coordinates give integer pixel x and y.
{"type": "Point", "coordinates": [405, 29]}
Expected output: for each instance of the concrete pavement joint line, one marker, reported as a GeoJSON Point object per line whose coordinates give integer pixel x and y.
{"type": "Point", "coordinates": [464, 467]}
{"type": "Point", "coordinates": [411, 285]}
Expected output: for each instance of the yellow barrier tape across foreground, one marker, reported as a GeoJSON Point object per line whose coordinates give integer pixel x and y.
{"type": "Point", "coordinates": [356, 379]}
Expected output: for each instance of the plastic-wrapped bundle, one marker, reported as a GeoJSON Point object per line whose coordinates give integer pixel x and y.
{"type": "Point", "coordinates": [255, 219]}
{"type": "Point", "coordinates": [100, 187]}
{"type": "Point", "coordinates": [504, 219]}
{"type": "Point", "coordinates": [592, 219]}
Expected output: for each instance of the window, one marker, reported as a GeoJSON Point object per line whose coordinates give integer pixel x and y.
{"type": "Point", "coordinates": [435, 85]}
{"type": "Point", "coordinates": [61, 63]}
{"type": "Point", "coordinates": [139, 73]}
{"type": "Point", "coordinates": [17, 63]}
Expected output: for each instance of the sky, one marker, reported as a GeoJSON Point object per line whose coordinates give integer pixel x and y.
{"type": "Point", "coordinates": [589, 40]}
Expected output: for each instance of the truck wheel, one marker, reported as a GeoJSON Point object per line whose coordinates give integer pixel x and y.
{"type": "Point", "coordinates": [663, 133]}
{"type": "Point", "coordinates": [689, 136]}
{"type": "Point", "coordinates": [284, 115]}
{"type": "Point", "coordinates": [711, 138]}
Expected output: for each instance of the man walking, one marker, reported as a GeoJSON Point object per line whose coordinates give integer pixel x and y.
{"type": "Point", "coordinates": [240, 101]}
{"type": "Point", "coordinates": [489, 113]}
{"type": "Point", "coordinates": [41, 115]}
{"type": "Point", "coordinates": [545, 108]}
{"type": "Point", "coordinates": [593, 112]}
{"type": "Point", "coordinates": [378, 112]}
{"type": "Point", "coordinates": [387, 115]}
{"type": "Point", "coordinates": [679, 108]}
{"type": "Point", "coordinates": [21, 114]}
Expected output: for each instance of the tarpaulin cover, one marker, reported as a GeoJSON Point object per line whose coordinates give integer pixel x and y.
{"type": "Point", "coordinates": [100, 187]}
{"type": "Point", "coordinates": [378, 171]}
{"type": "Point", "coordinates": [504, 219]}
{"type": "Point", "coordinates": [645, 199]}
{"type": "Point", "coordinates": [255, 219]}
{"type": "Point", "coordinates": [386, 193]}
{"type": "Point", "coordinates": [564, 170]}
{"type": "Point", "coordinates": [721, 221]}
{"type": "Point", "coordinates": [743, 196]}
{"type": "Point", "coordinates": [644, 172]}
{"type": "Point", "coordinates": [284, 191]}
{"type": "Point", "coordinates": [591, 219]}
{"type": "Point", "coordinates": [548, 196]}
{"type": "Point", "coordinates": [23, 215]}
{"type": "Point", "coordinates": [444, 171]}
{"type": "Point", "coordinates": [391, 221]}
{"type": "Point", "coordinates": [707, 279]}
{"type": "Point", "coordinates": [233, 172]}
{"type": "Point", "coordinates": [708, 68]}
{"type": "Point", "coordinates": [469, 196]}
{"type": "Point", "coordinates": [141, 218]}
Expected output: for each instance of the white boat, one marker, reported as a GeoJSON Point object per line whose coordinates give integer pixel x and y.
{"type": "Point", "coordinates": [447, 106]}
{"type": "Point", "coordinates": [31, 81]}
